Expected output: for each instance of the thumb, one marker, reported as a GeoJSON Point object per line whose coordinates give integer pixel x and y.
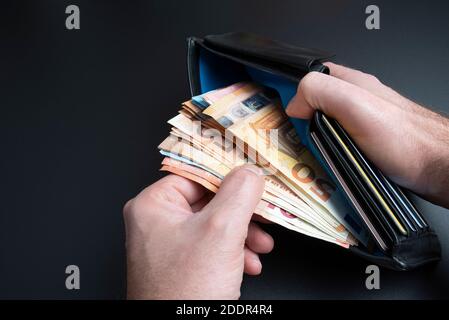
{"type": "Point", "coordinates": [233, 205]}
{"type": "Point", "coordinates": [353, 107]}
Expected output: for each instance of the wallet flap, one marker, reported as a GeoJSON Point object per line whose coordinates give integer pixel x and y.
{"type": "Point", "coordinates": [266, 50]}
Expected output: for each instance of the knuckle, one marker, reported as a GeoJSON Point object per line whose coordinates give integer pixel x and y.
{"type": "Point", "coordinates": [156, 192]}
{"type": "Point", "coordinates": [216, 223]}
{"type": "Point", "coordinates": [310, 81]}
{"type": "Point", "coordinates": [371, 78]}
{"type": "Point", "coordinates": [128, 207]}
{"type": "Point", "coordinates": [134, 209]}
{"type": "Point", "coordinates": [162, 190]}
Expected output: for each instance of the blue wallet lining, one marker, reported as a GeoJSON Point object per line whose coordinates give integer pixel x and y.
{"type": "Point", "coordinates": [217, 72]}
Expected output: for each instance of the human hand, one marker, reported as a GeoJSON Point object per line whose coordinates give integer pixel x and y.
{"type": "Point", "coordinates": [181, 246]}
{"type": "Point", "coordinates": [407, 142]}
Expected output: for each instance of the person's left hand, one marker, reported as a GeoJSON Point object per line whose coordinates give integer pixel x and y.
{"type": "Point", "coordinates": [181, 246]}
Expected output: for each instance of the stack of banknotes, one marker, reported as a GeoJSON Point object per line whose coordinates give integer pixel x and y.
{"type": "Point", "coordinates": [245, 123]}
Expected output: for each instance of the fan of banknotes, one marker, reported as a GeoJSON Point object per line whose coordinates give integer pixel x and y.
{"type": "Point", "coordinates": [245, 123]}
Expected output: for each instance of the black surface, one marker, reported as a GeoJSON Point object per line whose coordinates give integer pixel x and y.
{"type": "Point", "coordinates": [83, 111]}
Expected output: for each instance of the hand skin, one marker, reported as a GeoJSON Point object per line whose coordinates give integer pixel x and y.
{"type": "Point", "coordinates": [181, 244]}
{"type": "Point", "coordinates": [407, 142]}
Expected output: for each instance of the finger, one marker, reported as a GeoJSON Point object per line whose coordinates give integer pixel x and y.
{"type": "Point", "coordinates": [258, 218]}
{"type": "Point", "coordinates": [258, 240]}
{"type": "Point", "coordinates": [173, 189]}
{"type": "Point", "coordinates": [368, 82]}
{"type": "Point", "coordinates": [252, 264]}
{"type": "Point", "coordinates": [235, 201]}
{"type": "Point", "coordinates": [352, 106]}
{"type": "Point", "coordinates": [200, 204]}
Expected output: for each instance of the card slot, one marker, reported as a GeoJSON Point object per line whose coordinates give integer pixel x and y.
{"type": "Point", "coordinates": [378, 179]}
{"type": "Point", "coordinates": [378, 216]}
{"type": "Point", "coordinates": [368, 199]}
{"type": "Point", "coordinates": [361, 173]}
{"type": "Point", "coordinates": [394, 192]}
{"type": "Point", "coordinates": [348, 188]}
{"type": "Point", "coordinates": [408, 206]}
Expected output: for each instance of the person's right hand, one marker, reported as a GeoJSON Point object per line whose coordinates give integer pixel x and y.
{"type": "Point", "coordinates": [407, 142]}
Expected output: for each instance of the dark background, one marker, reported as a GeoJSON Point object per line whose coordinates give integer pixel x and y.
{"type": "Point", "coordinates": [83, 111]}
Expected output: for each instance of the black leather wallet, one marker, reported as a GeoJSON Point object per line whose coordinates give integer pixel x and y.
{"type": "Point", "coordinates": [400, 238]}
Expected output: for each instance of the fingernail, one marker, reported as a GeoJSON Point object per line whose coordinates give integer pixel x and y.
{"type": "Point", "coordinates": [254, 169]}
